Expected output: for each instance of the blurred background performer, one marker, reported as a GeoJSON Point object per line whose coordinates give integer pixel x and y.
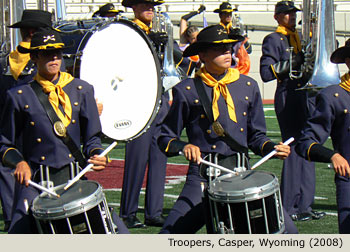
{"type": "Point", "coordinates": [331, 118]}
{"type": "Point", "coordinates": [18, 69]}
{"type": "Point", "coordinates": [241, 49]}
{"type": "Point", "coordinates": [188, 35]}
{"type": "Point", "coordinates": [292, 109]}
{"type": "Point", "coordinates": [41, 145]}
{"type": "Point", "coordinates": [107, 10]}
{"type": "Point", "coordinates": [236, 105]}
{"type": "Point", "coordinates": [143, 151]}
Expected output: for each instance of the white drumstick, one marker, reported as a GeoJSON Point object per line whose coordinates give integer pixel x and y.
{"type": "Point", "coordinates": [268, 156]}
{"type": "Point", "coordinates": [217, 166]}
{"type": "Point", "coordinates": [89, 166]}
{"type": "Point", "coordinates": [37, 186]}
{"type": "Point", "coordinates": [214, 165]}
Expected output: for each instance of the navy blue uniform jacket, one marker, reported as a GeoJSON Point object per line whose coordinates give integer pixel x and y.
{"type": "Point", "coordinates": [187, 112]}
{"type": "Point", "coordinates": [26, 117]}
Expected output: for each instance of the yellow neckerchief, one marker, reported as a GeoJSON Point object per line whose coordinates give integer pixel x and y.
{"type": "Point", "coordinates": [227, 27]}
{"type": "Point", "coordinates": [293, 37]}
{"type": "Point", "coordinates": [345, 82]}
{"type": "Point", "coordinates": [18, 61]}
{"type": "Point", "coordinates": [219, 87]}
{"type": "Point", "coordinates": [57, 95]}
{"type": "Point", "coordinates": [143, 26]}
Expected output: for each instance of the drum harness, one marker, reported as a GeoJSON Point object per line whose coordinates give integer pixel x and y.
{"type": "Point", "coordinates": [60, 131]}
{"type": "Point", "coordinates": [217, 127]}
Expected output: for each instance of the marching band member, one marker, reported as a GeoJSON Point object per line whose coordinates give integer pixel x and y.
{"type": "Point", "coordinates": [235, 103]}
{"type": "Point", "coordinates": [43, 142]}
{"type": "Point", "coordinates": [144, 150]}
{"type": "Point", "coordinates": [292, 109]}
{"type": "Point", "coordinates": [331, 118]}
{"type": "Point", "coordinates": [188, 35]}
{"type": "Point", "coordinates": [17, 70]}
{"type": "Point", "coordinates": [241, 49]}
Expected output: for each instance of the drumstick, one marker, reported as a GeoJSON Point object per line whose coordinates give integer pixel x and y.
{"type": "Point", "coordinates": [213, 165]}
{"type": "Point", "coordinates": [268, 156]}
{"type": "Point", "coordinates": [37, 186]}
{"type": "Point", "coordinates": [89, 166]}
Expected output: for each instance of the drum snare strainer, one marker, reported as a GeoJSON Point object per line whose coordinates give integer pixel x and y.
{"type": "Point", "coordinates": [247, 203]}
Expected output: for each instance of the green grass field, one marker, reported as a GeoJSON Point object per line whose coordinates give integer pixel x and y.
{"type": "Point", "coordinates": [324, 200]}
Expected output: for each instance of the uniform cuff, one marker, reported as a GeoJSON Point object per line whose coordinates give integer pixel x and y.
{"type": "Point", "coordinates": [267, 148]}
{"type": "Point", "coordinates": [319, 153]}
{"type": "Point", "coordinates": [12, 157]}
{"type": "Point", "coordinates": [174, 147]}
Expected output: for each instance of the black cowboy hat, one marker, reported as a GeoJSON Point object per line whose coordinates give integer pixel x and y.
{"type": "Point", "coordinates": [107, 8]}
{"type": "Point", "coordinates": [208, 37]}
{"type": "Point", "coordinates": [285, 7]}
{"type": "Point", "coordinates": [130, 3]}
{"type": "Point", "coordinates": [340, 54]}
{"type": "Point", "coordinates": [34, 19]}
{"type": "Point", "coordinates": [45, 39]}
{"type": "Point", "coordinates": [225, 7]}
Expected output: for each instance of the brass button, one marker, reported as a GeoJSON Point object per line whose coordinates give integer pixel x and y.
{"type": "Point", "coordinates": [69, 155]}
{"type": "Point", "coordinates": [19, 91]}
{"type": "Point", "coordinates": [244, 113]}
{"type": "Point", "coordinates": [38, 140]}
{"type": "Point", "coordinates": [202, 116]}
{"type": "Point", "coordinates": [76, 103]}
{"type": "Point", "coordinates": [73, 121]}
{"type": "Point", "coordinates": [246, 98]}
{"type": "Point", "coordinates": [213, 146]}
{"type": "Point", "coordinates": [336, 94]}
{"type": "Point", "coordinates": [80, 87]}
{"type": "Point", "coordinates": [242, 129]}
{"type": "Point", "coordinates": [208, 131]}
{"type": "Point", "coordinates": [248, 83]}
{"type": "Point", "coordinates": [345, 111]}
{"type": "Point", "coordinates": [32, 123]}
{"type": "Point", "coordinates": [26, 106]}
{"type": "Point", "coordinates": [281, 38]}
{"type": "Point", "coordinates": [42, 158]}
{"type": "Point", "coordinates": [188, 87]}
{"type": "Point", "coordinates": [299, 85]}
{"type": "Point", "coordinates": [196, 101]}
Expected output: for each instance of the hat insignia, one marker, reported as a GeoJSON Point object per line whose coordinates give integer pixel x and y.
{"type": "Point", "coordinates": [49, 37]}
{"type": "Point", "coordinates": [221, 31]}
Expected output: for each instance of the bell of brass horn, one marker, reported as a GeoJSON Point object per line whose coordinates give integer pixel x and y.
{"type": "Point", "coordinates": [319, 46]}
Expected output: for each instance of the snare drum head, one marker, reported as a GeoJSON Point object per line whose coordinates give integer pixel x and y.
{"type": "Point", "coordinates": [80, 197]}
{"type": "Point", "coordinates": [248, 185]}
{"type": "Point", "coordinates": [121, 64]}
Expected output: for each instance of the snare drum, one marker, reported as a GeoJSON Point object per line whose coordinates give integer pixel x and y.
{"type": "Point", "coordinates": [249, 203]}
{"type": "Point", "coordinates": [82, 209]}
{"type": "Point", "coordinates": [119, 60]}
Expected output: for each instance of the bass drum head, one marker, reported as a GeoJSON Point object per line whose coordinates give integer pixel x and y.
{"type": "Point", "coordinates": [121, 64]}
